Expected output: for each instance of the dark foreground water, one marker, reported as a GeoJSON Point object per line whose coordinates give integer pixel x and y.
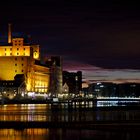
{"type": "Point", "coordinates": [46, 113]}
{"type": "Point", "coordinates": [67, 134]}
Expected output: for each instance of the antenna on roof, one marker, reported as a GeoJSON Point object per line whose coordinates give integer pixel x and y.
{"type": "Point", "coordinates": [9, 33]}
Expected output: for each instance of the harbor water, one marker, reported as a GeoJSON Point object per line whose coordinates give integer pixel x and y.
{"type": "Point", "coordinates": [54, 114]}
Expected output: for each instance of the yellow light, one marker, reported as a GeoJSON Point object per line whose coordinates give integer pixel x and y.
{"type": "Point", "coordinates": [36, 55]}
{"type": "Point", "coordinates": [28, 85]}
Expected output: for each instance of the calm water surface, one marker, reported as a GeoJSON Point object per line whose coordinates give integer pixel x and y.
{"type": "Point", "coordinates": [66, 134]}
{"type": "Point", "coordinates": [44, 112]}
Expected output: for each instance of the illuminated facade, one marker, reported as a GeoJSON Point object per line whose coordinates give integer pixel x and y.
{"type": "Point", "coordinates": [18, 58]}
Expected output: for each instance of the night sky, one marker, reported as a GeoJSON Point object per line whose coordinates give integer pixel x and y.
{"type": "Point", "coordinates": [99, 37]}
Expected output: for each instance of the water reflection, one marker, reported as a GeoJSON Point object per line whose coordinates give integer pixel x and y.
{"type": "Point", "coordinates": [26, 134]}
{"type": "Point", "coordinates": [43, 112]}
{"type": "Point", "coordinates": [46, 112]}
{"type": "Point", "coordinates": [66, 134]}
{"type": "Point", "coordinates": [116, 102]}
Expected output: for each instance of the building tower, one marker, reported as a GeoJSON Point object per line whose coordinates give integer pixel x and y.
{"type": "Point", "coordinates": [23, 59]}
{"type": "Point", "coordinates": [9, 34]}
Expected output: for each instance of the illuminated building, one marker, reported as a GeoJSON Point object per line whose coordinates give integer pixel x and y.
{"type": "Point", "coordinates": [20, 58]}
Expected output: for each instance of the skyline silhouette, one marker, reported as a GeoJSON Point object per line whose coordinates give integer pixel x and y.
{"type": "Point", "coordinates": [100, 38]}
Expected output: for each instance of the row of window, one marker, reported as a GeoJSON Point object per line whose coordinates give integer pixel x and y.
{"type": "Point", "coordinates": [11, 54]}
{"type": "Point", "coordinates": [7, 83]}
{"type": "Point", "coordinates": [21, 58]}
{"type": "Point", "coordinates": [17, 41]}
{"type": "Point", "coordinates": [17, 49]}
{"type": "Point", "coordinates": [16, 64]}
{"type": "Point", "coordinates": [21, 70]}
{"type": "Point", "coordinates": [17, 44]}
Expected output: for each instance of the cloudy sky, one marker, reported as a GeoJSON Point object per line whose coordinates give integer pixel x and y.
{"type": "Point", "coordinates": [101, 38]}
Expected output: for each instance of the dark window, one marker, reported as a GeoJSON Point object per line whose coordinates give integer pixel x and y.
{"type": "Point", "coordinates": [17, 49]}
{"type": "Point", "coordinates": [22, 58]}
{"type": "Point", "coordinates": [15, 58]}
{"type": "Point", "coordinates": [10, 53]}
{"type": "Point", "coordinates": [22, 64]}
{"type": "Point", "coordinates": [10, 49]}
{"type": "Point", "coordinates": [5, 53]}
{"type": "Point", "coordinates": [17, 53]}
{"type": "Point", "coordinates": [22, 70]}
{"type": "Point", "coordinates": [24, 49]}
{"type": "Point", "coordinates": [15, 70]}
{"type": "Point", "coordinates": [15, 64]}
{"type": "Point", "coordinates": [5, 49]}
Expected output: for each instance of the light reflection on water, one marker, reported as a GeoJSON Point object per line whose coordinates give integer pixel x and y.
{"type": "Point", "coordinates": [114, 103]}
{"type": "Point", "coordinates": [42, 112]}
{"type": "Point", "coordinates": [66, 134]}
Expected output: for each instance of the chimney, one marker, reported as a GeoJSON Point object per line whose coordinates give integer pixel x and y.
{"type": "Point", "coordinates": [9, 34]}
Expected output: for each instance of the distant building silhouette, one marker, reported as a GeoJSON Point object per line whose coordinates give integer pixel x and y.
{"type": "Point", "coordinates": [106, 89]}
{"type": "Point", "coordinates": [55, 65]}
{"type": "Point", "coordinates": [73, 81]}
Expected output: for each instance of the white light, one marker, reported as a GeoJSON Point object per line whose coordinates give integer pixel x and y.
{"type": "Point", "coordinates": [55, 99]}
{"type": "Point", "coordinates": [22, 94]}
{"type": "Point", "coordinates": [101, 86]}
{"type": "Point", "coordinates": [31, 94]}
{"type": "Point", "coordinates": [130, 98]}
{"type": "Point", "coordinates": [99, 83]}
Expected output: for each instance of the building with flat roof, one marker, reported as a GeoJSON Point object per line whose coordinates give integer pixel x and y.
{"type": "Point", "coordinates": [20, 58]}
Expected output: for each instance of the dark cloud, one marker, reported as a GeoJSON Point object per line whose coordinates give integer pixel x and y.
{"type": "Point", "coordinates": [98, 33]}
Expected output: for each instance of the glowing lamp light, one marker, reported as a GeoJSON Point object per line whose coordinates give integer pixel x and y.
{"type": "Point", "coordinates": [31, 94]}
{"type": "Point", "coordinates": [36, 55]}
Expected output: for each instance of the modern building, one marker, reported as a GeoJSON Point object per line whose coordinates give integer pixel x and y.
{"type": "Point", "coordinates": [20, 58]}
{"type": "Point", "coordinates": [112, 90]}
